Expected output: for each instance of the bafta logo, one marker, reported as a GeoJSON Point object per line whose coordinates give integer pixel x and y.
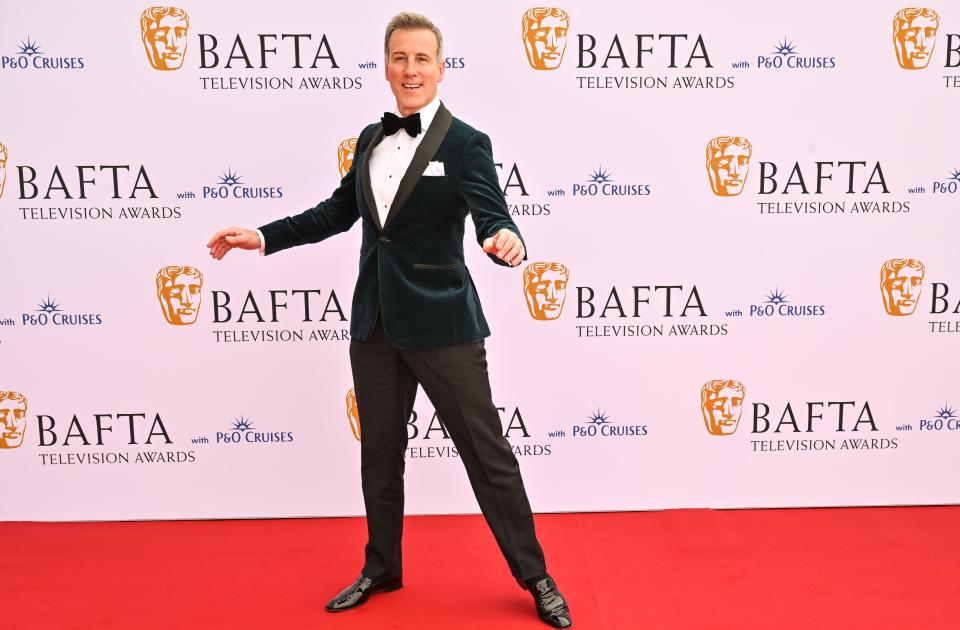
{"type": "Point", "coordinates": [353, 414]}
{"type": "Point", "coordinates": [914, 36]}
{"type": "Point", "coordinates": [13, 419]}
{"type": "Point", "coordinates": [164, 34]}
{"type": "Point", "coordinates": [900, 282]}
{"type": "Point", "coordinates": [545, 37]}
{"type": "Point", "coordinates": [345, 155]}
{"type": "Point", "coordinates": [728, 162]}
{"type": "Point", "coordinates": [545, 289]}
{"type": "Point", "coordinates": [178, 289]}
{"type": "Point", "coordinates": [721, 402]}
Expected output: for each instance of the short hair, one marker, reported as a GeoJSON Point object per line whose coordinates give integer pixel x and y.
{"type": "Point", "coordinates": [170, 274]}
{"type": "Point", "coordinates": [14, 396]}
{"type": "Point", "coordinates": [534, 270]}
{"type": "Point", "coordinates": [712, 388]}
{"type": "Point", "coordinates": [894, 265]}
{"type": "Point", "coordinates": [718, 144]}
{"type": "Point", "coordinates": [408, 21]}
{"type": "Point", "coordinates": [536, 14]}
{"type": "Point", "coordinates": [155, 14]}
{"type": "Point", "coordinates": [904, 16]}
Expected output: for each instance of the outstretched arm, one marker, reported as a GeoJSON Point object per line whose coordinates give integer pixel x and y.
{"type": "Point", "coordinates": [332, 216]}
{"type": "Point", "coordinates": [480, 190]}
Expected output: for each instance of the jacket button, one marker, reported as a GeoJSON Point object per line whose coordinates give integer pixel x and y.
{"type": "Point", "coordinates": [383, 239]}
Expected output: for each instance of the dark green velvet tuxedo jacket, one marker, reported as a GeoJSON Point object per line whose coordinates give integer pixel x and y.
{"type": "Point", "coordinates": [411, 268]}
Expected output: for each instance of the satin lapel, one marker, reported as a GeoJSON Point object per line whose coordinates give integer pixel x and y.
{"type": "Point", "coordinates": [365, 177]}
{"type": "Point", "coordinates": [421, 157]}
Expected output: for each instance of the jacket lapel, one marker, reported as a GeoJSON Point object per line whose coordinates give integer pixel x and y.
{"type": "Point", "coordinates": [365, 186]}
{"type": "Point", "coordinates": [421, 157]}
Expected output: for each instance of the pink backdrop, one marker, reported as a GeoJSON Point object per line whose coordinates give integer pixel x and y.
{"type": "Point", "coordinates": [99, 102]}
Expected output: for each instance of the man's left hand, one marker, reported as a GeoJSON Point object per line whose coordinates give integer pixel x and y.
{"type": "Point", "coordinates": [506, 246]}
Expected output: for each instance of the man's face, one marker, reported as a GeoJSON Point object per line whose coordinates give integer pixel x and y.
{"type": "Point", "coordinates": [546, 295]}
{"type": "Point", "coordinates": [902, 290]}
{"type": "Point", "coordinates": [722, 411]}
{"type": "Point", "coordinates": [166, 42]}
{"type": "Point", "coordinates": [181, 299]}
{"type": "Point", "coordinates": [546, 41]}
{"type": "Point", "coordinates": [915, 42]}
{"type": "Point", "coordinates": [3, 171]}
{"type": "Point", "coordinates": [728, 170]}
{"type": "Point", "coordinates": [413, 69]}
{"type": "Point", "coordinates": [13, 421]}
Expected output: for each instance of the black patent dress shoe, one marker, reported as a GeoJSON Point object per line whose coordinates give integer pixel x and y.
{"type": "Point", "coordinates": [551, 606]}
{"type": "Point", "coordinates": [361, 589]}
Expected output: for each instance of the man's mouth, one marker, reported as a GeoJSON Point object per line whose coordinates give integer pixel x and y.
{"type": "Point", "coordinates": [918, 55]}
{"type": "Point", "coordinates": [411, 86]}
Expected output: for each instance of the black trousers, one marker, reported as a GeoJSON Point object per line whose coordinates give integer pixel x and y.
{"type": "Point", "coordinates": [455, 380]}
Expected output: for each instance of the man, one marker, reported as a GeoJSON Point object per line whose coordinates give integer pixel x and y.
{"type": "Point", "coordinates": [914, 36]}
{"type": "Point", "coordinates": [728, 162]}
{"type": "Point", "coordinates": [164, 34]}
{"type": "Point", "coordinates": [545, 287]}
{"type": "Point", "coordinates": [416, 317]}
{"type": "Point", "coordinates": [178, 289]}
{"type": "Point", "coordinates": [901, 280]}
{"type": "Point", "coordinates": [722, 404]}
{"type": "Point", "coordinates": [545, 37]}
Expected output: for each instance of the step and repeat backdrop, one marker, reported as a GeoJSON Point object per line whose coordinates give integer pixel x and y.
{"type": "Point", "coordinates": [743, 285]}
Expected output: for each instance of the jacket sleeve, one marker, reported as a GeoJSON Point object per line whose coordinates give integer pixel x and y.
{"type": "Point", "coordinates": [480, 191]}
{"type": "Point", "coordinates": [332, 216]}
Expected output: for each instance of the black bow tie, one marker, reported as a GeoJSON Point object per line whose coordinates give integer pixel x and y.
{"type": "Point", "coordinates": [393, 123]}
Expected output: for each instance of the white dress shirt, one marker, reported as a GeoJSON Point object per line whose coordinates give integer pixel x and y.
{"type": "Point", "coordinates": [389, 161]}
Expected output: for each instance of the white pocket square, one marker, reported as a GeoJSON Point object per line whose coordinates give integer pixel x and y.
{"type": "Point", "coordinates": [434, 169]}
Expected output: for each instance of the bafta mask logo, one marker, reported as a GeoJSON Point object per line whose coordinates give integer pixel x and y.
{"type": "Point", "coordinates": [728, 162]}
{"type": "Point", "coordinates": [545, 36]}
{"type": "Point", "coordinates": [900, 282]}
{"type": "Point", "coordinates": [164, 34]}
{"type": "Point", "coordinates": [13, 419]}
{"type": "Point", "coordinates": [3, 168]}
{"type": "Point", "coordinates": [545, 289]}
{"type": "Point", "coordinates": [178, 289]}
{"type": "Point", "coordinates": [353, 414]}
{"type": "Point", "coordinates": [722, 402]}
{"type": "Point", "coordinates": [914, 36]}
{"type": "Point", "coordinates": [345, 155]}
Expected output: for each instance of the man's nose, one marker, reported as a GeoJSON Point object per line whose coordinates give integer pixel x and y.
{"type": "Point", "coordinates": [727, 411]}
{"type": "Point", "coordinates": [908, 289]}
{"type": "Point", "coordinates": [551, 294]}
{"type": "Point", "coordinates": [735, 168]}
{"type": "Point", "coordinates": [921, 42]}
{"type": "Point", "coordinates": [189, 298]}
{"type": "Point", "coordinates": [171, 40]}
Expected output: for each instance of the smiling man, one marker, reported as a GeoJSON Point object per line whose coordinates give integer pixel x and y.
{"type": "Point", "coordinates": [416, 315]}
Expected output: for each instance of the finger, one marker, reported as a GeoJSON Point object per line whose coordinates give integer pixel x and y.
{"type": "Point", "coordinates": [220, 234]}
{"type": "Point", "coordinates": [488, 244]}
{"type": "Point", "coordinates": [514, 255]}
{"type": "Point", "coordinates": [503, 237]}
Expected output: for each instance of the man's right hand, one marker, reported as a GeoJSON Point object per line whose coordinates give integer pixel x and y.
{"type": "Point", "coordinates": [228, 238]}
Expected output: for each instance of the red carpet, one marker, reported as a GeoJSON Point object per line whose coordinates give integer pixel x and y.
{"type": "Point", "coordinates": [827, 568]}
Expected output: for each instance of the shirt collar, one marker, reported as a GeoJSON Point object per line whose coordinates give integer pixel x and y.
{"type": "Point", "coordinates": [427, 113]}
